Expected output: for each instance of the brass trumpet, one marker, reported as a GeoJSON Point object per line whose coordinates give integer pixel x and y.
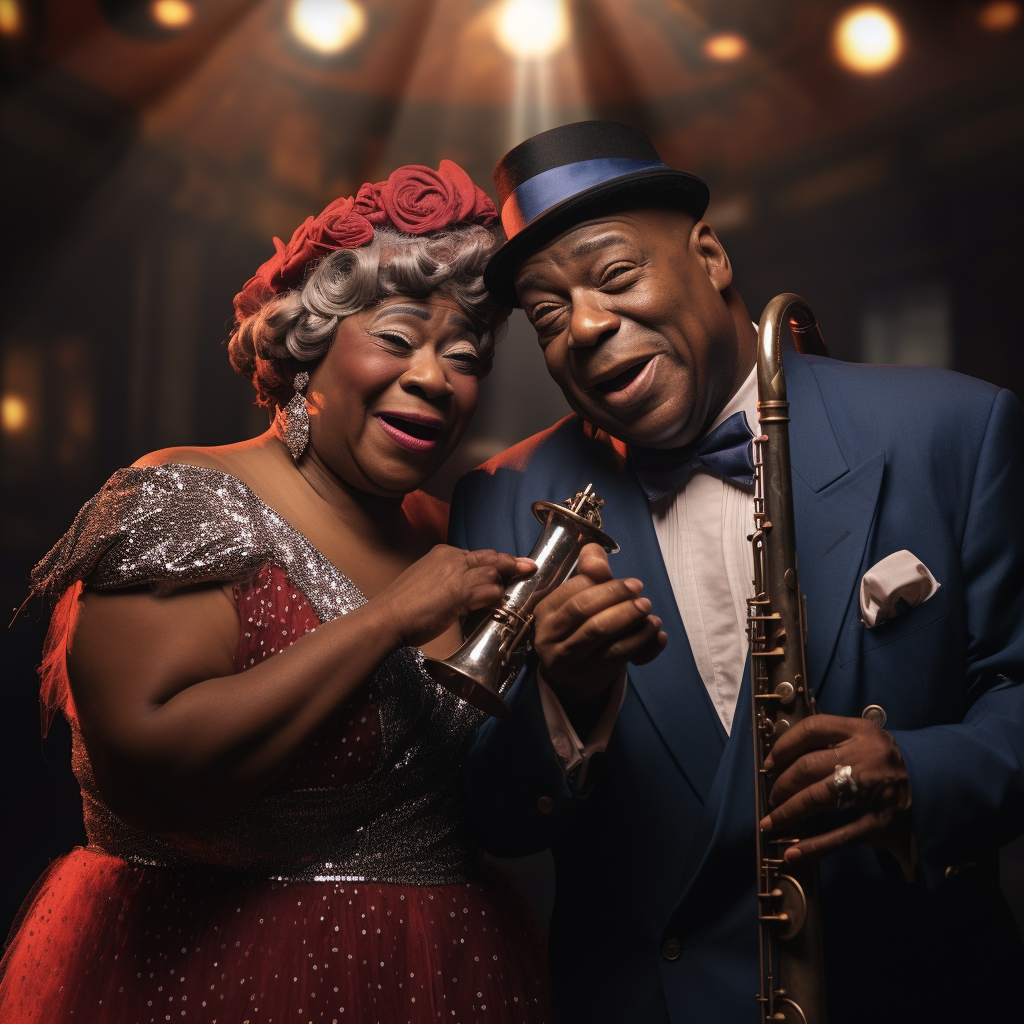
{"type": "Point", "coordinates": [490, 659]}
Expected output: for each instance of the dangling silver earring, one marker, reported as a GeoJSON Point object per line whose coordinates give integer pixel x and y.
{"type": "Point", "coordinates": [296, 418]}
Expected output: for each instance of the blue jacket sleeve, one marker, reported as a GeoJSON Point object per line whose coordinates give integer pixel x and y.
{"type": "Point", "coordinates": [967, 779]}
{"type": "Point", "coordinates": [517, 795]}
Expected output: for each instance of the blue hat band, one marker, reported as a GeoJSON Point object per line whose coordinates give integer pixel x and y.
{"type": "Point", "coordinates": [538, 194]}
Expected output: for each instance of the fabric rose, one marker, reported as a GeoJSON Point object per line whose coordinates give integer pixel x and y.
{"type": "Point", "coordinates": [287, 265]}
{"type": "Point", "coordinates": [340, 227]}
{"type": "Point", "coordinates": [476, 206]}
{"type": "Point", "coordinates": [282, 271]}
{"type": "Point", "coordinates": [415, 199]}
{"type": "Point", "coordinates": [251, 299]}
{"type": "Point", "coordinates": [369, 204]}
{"type": "Point", "coordinates": [418, 199]}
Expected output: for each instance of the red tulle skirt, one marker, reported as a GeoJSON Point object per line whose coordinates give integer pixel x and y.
{"type": "Point", "coordinates": [100, 940]}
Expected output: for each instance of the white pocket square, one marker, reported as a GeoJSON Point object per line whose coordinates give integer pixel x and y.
{"type": "Point", "coordinates": [894, 585]}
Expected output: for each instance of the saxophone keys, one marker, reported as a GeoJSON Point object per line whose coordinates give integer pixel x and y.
{"type": "Point", "coordinates": [793, 911]}
{"type": "Point", "coordinates": [785, 692]}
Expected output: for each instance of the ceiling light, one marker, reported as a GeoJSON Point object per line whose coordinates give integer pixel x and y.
{"type": "Point", "coordinates": [999, 16]}
{"type": "Point", "coordinates": [10, 18]}
{"type": "Point", "coordinates": [868, 39]}
{"type": "Point", "coordinates": [725, 46]}
{"type": "Point", "coordinates": [13, 413]}
{"type": "Point", "coordinates": [172, 13]}
{"type": "Point", "coordinates": [327, 26]}
{"type": "Point", "coordinates": [532, 28]}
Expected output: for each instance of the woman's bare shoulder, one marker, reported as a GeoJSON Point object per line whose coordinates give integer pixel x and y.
{"type": "Point", "coordinates": [208, 458]}
{"type": "Point", "coordinates": [427, 514]}
{"type": "Point", "coordinates": [234, 459]}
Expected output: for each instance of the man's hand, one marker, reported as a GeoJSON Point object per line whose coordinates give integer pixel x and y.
{"type": "Point", "coordinates": [804, 760]}
{"type": "Point", "coordinates": [590, 627]}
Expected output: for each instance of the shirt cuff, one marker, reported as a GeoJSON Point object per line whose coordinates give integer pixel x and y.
{"type": "Point", "coordinates": [573, 754]}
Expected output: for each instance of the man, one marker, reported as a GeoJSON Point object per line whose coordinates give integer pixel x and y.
{"type": "Point", "coordinates": [635, 765]}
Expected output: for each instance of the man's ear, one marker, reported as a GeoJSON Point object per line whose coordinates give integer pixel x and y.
{"type": "Point", "coordinates": [704, 244]}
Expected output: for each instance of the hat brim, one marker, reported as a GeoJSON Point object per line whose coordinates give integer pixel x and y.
{"type": "Point", "coordinates": [657, 187]}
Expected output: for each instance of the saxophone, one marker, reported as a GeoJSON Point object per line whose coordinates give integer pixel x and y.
{"type": "Point", "coordinates": [788, 895]}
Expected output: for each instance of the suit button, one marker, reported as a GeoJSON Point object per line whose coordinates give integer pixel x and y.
{"type": "Point", "coordinates": [670, 949]}
{"type": "Point", "coordinates": [545, 805]}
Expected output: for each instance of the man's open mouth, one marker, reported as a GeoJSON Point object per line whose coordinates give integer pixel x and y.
{"type": "Point", "coordinates": [622, 380]}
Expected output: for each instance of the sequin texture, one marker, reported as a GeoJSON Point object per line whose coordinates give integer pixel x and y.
{"type": "Point", "coordinates": [347, 891]}
{"type": "Point", "coordinates": [174, 525]}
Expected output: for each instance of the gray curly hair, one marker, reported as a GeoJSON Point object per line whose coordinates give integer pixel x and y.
{"type": "Point", "coordinates": [296, 328]}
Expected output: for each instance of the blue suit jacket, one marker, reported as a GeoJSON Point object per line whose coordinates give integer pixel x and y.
{"type": "Point", "coordinates": [660, 844]}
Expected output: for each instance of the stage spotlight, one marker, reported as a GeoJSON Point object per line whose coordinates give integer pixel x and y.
{"type": "Point", "coordinates": [11, 20]}
{"type": "Point", "coordinates": [172, 14]}
{"type": "Point", "coordinates": [999, 16]}
{"type": "Point", "coordinates": [532, 29]}
{"type": "Point", "coordinates": [327, 26]}
{"type": "Point", "coordinates": [725, 47]}
{"type": "Point", "coordinates": [13, 413]}
{"type": "Point", "coordinates": [868, 39]}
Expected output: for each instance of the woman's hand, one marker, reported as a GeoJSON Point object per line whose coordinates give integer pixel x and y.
{"type": "Point", "coordinates": [443, 587]}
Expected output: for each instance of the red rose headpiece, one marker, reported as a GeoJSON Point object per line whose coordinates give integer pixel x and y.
{"type": "Point", "coordinates": [414, 199]}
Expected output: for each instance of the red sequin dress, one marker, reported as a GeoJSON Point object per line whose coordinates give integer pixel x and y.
{"type": "Point", "coordinates": [347, 892]}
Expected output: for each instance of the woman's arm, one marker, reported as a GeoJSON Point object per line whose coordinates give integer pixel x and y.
{"type": "Point", "coordinates": [177, 738]}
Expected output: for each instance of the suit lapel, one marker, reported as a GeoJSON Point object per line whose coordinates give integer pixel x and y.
{"type": "Point", "coordinates": [729, 812]}
{"type": "Point", "coordinates": [669, 687]}
{"type": "Point", "coordinates": [834, 507]}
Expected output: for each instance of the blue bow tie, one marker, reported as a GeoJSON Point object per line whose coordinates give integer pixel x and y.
{"type": "Point", "coordinates": [727, 451]}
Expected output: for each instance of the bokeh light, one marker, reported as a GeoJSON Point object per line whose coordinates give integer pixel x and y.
{"type": "Point", "coordinates": [327, 26]}
{"type": "Point", "coordinates": [725, 47]}
{"type": "Point", "coordinates": [13, 413]}
{"type": "Point", "coordinates": [868, 39]}
{"type": "Point", "coordinates": [999, 16]}
{"type": "Point", "coordinates": [172, 13]}
{"type": "Point", "coordinates": [10, 18]}
{"type": "Point", "coordinates": [532, 29]}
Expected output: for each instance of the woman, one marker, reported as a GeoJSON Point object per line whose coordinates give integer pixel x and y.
{"type": "Point", "coordinates": [271, 783]}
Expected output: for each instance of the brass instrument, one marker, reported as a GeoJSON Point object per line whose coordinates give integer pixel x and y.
{"type": "Point", "coordinates": [490, 659]}
{"type": "Point", "coordinates": [788, 896]}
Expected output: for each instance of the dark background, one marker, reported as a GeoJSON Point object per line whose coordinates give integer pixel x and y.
{"type": "Point", "coordinates": [144, 172]}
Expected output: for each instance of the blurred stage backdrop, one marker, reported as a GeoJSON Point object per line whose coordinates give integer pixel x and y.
{"type": "Point", "coordinates": [866, 157]}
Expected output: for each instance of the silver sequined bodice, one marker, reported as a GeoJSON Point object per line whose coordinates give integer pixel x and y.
{"type": "Point", "coordinates": [176, 525]}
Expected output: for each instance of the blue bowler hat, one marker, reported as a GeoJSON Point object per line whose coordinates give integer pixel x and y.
{"type": "Point", "coordinates": [570, 174]}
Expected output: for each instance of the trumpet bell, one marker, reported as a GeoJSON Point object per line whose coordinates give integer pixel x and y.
{"type": "Point", "coordinates": [480, 693]}
{"type": "Point", "coordinates": [492, 656]}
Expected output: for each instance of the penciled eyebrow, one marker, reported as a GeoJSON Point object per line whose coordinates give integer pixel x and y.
{"type": "Point", "coordinates": [423, 314]}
